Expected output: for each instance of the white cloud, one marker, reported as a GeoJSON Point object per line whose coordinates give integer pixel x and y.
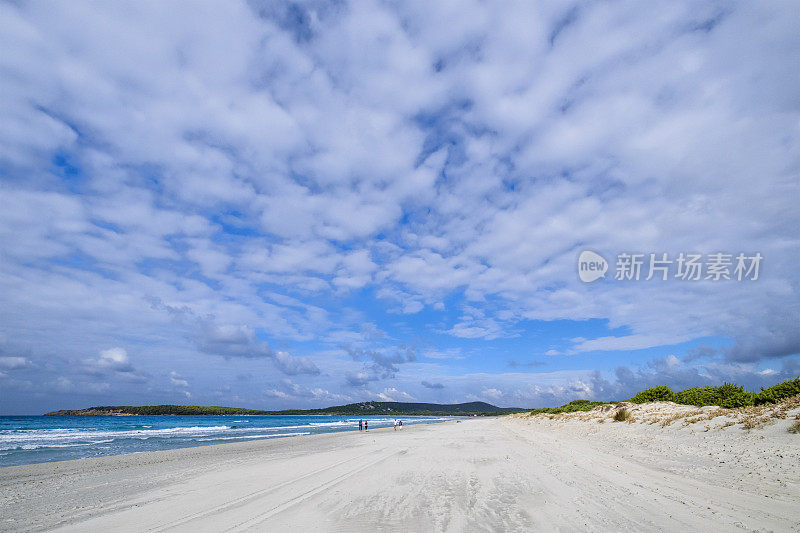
{"type": "Point", "coordinates": [629, 342]}
{"type": "Point", "coordinates": [109, 361]}
{"type": "Point", "coordinates": [177, 380]}
{"type": "Point", "coordinates": [451, 353]}
{"type": "Point", "coordinates": [391, 394]}
{"type": "Point", "coordinates": [272, 393]}
{"type": "Point", "coordinates": [113, 357]}
{"type": "Point", "coordinates": [197, 180]}
{"type": "Point", "coordinates": [494, 394]}
{"type": "Point", "coordinates": [10, 363]}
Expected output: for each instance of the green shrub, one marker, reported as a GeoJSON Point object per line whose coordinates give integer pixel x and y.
{"type": "Point", "coordinates": [571, 407]}
{"type": "Point", "coordinates": [738, 400]}
{"type": "Point", "coordinates": [662, 393]}
{"type": "Point", "coordinates": [778, 392]}
{"type": "Point", "coordinates": [698, 396]}
{"type": "Point", "coordinates": [579, 402]}
{"type": "Point", "coordinates": [732, 396]}
{"type": "Point", "coordinates": [727, 395]}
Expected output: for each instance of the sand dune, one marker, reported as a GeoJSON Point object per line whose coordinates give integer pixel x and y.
{"type": "Point", "coordinates": [493, 474]}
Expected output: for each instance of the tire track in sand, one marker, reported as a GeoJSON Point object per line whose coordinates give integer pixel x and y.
{"type": "Point", "coordinates": [258, 519]}
{"type": "Point", "coordinates": [252, 496]}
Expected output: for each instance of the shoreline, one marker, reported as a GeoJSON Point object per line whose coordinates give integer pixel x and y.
{"type": "Point", "coordinates": [201, 448]}
{"type": "Point", "coordinates": [76, 439]}
{"type": "Point", "coordinates": [69, 495]}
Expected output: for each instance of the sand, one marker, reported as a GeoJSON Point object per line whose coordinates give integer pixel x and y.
{"type": "Point", "coordinates": [486, 474]}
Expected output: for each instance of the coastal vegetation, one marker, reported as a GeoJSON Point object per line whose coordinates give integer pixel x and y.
{"type": "Point", "coordinates": [727, 395]}
{"type": "Point", "coordinates": [622, 415]}
{"type": "Point", "coordinates": [571, 407]}
{"type": "Point", "coordinates": [661, 393]}
{"type": "Point", "coordinates": [778, 392]}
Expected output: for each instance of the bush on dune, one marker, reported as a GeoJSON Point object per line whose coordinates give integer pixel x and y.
{"type": "Point", "coordinates": [580, 405]}
{"type": "Point", "coordinates": [727, 395]}
{"type": "Point", "coordinates": [699, 396]}
{"type": "Point", "coordinates": [662, 393]}
{"type": "Point", "coordinates": [733, 396]}
{"type": "Point", "coordinates": [778, 392]}
{"type": "Point", "coordinates": [571, 407]}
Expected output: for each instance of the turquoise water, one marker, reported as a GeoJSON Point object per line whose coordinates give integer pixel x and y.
{"type": "Point", "coordinates": [37, 439]}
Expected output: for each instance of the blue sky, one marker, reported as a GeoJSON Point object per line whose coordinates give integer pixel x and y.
{"type": "Point", "coordinates": [279, 205]}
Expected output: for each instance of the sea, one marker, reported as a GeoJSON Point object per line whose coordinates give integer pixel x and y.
{"type": "Point", "coordinates": [38, 439]}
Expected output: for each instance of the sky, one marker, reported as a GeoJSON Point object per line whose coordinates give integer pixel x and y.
{"type": "Point", "coordinates": [292, 205]}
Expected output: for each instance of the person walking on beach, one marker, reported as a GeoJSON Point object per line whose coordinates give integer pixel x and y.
{"type": "Point", "coordinates": [366, 425]}
{"type": "Point", "coordinates": [360, 424]}
{"type": "Point", "coordinates": [395, 424]}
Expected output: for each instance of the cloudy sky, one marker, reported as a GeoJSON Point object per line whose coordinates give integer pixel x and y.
{"type": "Point", "coordinates": [279, 205]}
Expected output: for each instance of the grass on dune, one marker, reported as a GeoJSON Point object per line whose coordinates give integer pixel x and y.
{"type": "Point", "coordinates": [622, 415]}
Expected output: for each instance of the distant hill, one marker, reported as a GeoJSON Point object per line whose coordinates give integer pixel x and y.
{"type": "Point", "coordinates": [355, 409]}
{"type": "Point", "coordinates": [404, 408]}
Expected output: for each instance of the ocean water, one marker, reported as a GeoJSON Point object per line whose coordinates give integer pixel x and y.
{"type": "Point", "coordinates": [37, 439]}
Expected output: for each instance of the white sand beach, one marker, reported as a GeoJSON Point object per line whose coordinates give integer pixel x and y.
{"type": "Point", "coordinates": [512, 473]}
